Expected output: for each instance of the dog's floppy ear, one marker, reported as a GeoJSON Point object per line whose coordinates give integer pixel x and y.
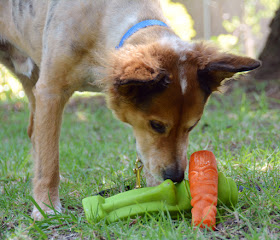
{"type": "Point", "coordinates": [141, 89]}
{"type": "Point", "coordinates": [137, 75]}
{"type": "Point", "coordinates": [215, 66]}
{"type": "Point", "coordinates": [211, 76]}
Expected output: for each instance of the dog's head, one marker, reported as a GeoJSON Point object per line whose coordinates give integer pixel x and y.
{"type": "Point", "coordinates": [161, 90]}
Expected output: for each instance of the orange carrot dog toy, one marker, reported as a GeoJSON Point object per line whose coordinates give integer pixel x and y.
{"type": "Point", "coordinates": [203, 178]}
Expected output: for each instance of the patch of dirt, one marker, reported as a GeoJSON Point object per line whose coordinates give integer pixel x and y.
{"type": "Point", "coordinates": [14, 107]}
{"type": "Point", "coordinates": [253, 86]}
{"type": "Point", "coordinates": [77, 102]}
{"type": "Point", "coordinates": [271, 88]}
{"type": "Point", "coordinates": [92, 103]}
{"type": "Point", "coordinates": [6, 226]}
{"type": "Point", "coordinates": [65, 235]}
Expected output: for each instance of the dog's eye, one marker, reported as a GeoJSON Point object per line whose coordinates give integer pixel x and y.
{"type": "Point", "coordinates": [158, 127]}
{"type": "Point", "coordinates": [191, 128]}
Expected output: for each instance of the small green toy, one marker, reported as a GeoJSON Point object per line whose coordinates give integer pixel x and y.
{"type": "Point", "coordinates": [167, 196]}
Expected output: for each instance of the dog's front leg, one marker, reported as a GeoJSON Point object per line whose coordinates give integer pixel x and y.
{"type": "Point", "coordinates": [50, 101]}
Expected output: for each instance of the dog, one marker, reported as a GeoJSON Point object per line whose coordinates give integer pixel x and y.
{"type": "Point", "coordinates": [153, 81]}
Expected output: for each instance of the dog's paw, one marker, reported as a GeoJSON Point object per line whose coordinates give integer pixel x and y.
{"type": "Point", "coordinates": [37, 216]}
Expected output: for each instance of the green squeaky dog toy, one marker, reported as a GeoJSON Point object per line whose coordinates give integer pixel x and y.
{"type": "Point", "coordinates": [174, 198]}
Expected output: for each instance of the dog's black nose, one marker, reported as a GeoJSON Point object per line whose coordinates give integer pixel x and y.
{"type": "Point", "coordinates": [175, 174]}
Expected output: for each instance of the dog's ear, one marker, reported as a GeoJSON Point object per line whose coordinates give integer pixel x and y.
{"type": "Point", "coordinates": [137, 75]}
{"type": "Point", "coordinates": [215, 66]}
{"type": "Point", "coordinates": [139, 88]}
{"type": "Point", "coordinates": [211, 76]}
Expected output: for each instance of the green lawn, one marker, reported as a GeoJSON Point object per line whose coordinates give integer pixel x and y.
{"type": "Point", "coordinates": [242, 128]}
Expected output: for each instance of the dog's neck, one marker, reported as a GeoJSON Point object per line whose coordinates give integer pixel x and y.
{"type": "Point", "coordinates": [150, 34]}
{"type": "Point", "coordinates": [139, 26]}
{"type": "Point", "coordinates": [115, 26]}
{"type": "Point", "coordinates": [144, 36]}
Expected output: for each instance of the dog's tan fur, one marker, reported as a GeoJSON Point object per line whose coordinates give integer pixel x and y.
{"type": "Point", "coordinates": [57, 47]}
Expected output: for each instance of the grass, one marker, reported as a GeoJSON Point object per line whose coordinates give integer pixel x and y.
{"type": "Point", "coordinates": [98, 152]}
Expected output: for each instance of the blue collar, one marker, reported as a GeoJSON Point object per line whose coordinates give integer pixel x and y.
{"type": "Point", "coordinates": [139, 26]}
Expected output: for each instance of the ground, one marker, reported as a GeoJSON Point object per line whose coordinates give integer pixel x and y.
{"type": "Point", "coordinates": [240, 127]}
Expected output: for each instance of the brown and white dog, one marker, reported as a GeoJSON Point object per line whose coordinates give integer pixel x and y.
{"type": "Point", "coordinates": [155, 82]}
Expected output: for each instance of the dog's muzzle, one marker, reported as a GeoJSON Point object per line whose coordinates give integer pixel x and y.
{"type": "Point", "coordinates": [174, 173]}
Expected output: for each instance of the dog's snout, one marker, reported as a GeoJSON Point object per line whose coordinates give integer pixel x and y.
{"type": "Point", "coordinates": [175, 174]}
